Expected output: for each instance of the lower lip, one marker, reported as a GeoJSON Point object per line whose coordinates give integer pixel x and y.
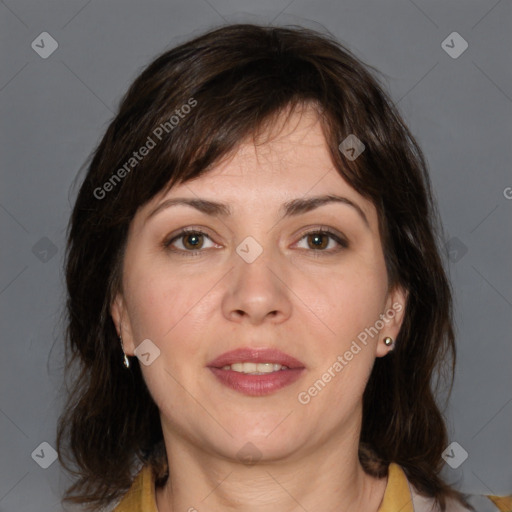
{"type": "Point", "coordinates": [257, 385]}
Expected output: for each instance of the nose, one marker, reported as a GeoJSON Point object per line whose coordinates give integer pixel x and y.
{"type": "Point", "coordinates": [257, 292]}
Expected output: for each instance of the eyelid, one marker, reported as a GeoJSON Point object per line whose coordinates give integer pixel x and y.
{"type": "Point", "coordinates": [335, 235]}
{"type": "Point", "coordinates": [168, 240]}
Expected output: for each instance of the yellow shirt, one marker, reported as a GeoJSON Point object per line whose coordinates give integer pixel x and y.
{"type": "Point", "coordinates": [398, 495]}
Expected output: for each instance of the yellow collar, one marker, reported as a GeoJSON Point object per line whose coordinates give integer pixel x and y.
{"type": "Point", "coordinates": [141, 495]}
{"type": "Point", "coordinates": [397, 495]}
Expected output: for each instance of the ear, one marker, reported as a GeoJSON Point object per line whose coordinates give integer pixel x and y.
{"type": "Point", "coordinates": [122, 322]}
{"type": "Point", "coordinates": [393, 316]}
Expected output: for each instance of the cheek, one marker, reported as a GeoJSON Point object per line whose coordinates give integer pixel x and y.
{"type": "Point", "coordinates": [167, 310]}
{"type": "Point", "coordinates": [347, 300]}
{"type": "Point", "coordinates": [161, 304]}
{"type": "Point", "coordinates": [349, 304]}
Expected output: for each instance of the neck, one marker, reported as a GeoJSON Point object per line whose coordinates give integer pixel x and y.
{"type": "Point", "coordinates": [326, 477]}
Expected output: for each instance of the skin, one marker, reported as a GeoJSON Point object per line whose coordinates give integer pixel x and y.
{"type": "Point", "coordinates": [294, 297]}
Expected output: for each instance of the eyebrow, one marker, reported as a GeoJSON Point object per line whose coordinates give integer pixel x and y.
{"type": "Point", "coordinates": [288, 209]}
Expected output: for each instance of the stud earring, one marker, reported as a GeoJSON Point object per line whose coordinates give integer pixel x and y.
{"type": "Point", "coordinates": [388, 341]}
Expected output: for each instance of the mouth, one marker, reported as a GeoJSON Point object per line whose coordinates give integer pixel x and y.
{"type": "Point", "coordinates": [256, 372]}
{"type": "Point", "coordinates": [255, 368]}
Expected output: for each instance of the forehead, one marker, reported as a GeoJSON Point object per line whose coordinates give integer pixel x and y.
{"type": "Point", "coordinates": [289, 158]}
{"type": "Point", "coordinates": [290, 149]}
{"type": "Point", "coordinates": [292, 144]}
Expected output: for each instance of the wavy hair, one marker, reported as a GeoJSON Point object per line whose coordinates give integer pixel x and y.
{"type": "Point", "coordinates": [236, 80]}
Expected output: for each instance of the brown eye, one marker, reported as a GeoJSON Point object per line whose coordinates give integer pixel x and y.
{"type": "Point", "coordinates": [320, 240]}
{"type": "Point", "coordinates": [192, 240]}
{"type": "Point", "coordinates": [188, 242]}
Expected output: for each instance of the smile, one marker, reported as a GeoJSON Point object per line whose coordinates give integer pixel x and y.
{"type": "Point", "coordinates": [256, 372]}
{"type": "Point", "coordinates": [255, 368]}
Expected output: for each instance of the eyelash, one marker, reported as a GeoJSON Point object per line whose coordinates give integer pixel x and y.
{"type": "Point", "coordinates": [342, 243]}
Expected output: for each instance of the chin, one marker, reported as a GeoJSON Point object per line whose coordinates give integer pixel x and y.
{"type": "Point", "coordinates": [269, 445]}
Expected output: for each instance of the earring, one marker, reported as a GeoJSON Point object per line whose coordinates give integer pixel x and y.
{"type": "Point", "coordinates": [126, 361]}
{"type": "Point", "coordinates": [388, 341]}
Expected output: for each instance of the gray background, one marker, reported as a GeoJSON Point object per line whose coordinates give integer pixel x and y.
{"type": "Point", "coordinates": [55, 110]}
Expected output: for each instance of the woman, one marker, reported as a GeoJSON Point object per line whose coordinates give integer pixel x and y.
{"type": "Point", "coordinates": [256, 300]}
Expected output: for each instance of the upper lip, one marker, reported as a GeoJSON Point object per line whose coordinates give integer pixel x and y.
{"type": "Point", "coordinates": [255, 355]}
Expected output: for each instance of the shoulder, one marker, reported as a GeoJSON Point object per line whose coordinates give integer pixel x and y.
{"type": "Point", "coordinates": [426, 504]}
{"type": "Point", "coordinates": [480, 503]}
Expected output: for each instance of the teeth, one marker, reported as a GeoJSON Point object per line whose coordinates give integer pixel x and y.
{"type": "Point", "coordinates": [255, 368]}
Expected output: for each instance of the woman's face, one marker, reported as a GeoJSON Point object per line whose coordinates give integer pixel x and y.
{"type": "Point", "coordinates": [259, 277]}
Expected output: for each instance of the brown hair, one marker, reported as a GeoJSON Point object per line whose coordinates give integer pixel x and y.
{"type": "Point", "coordinates": [236, 80]}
